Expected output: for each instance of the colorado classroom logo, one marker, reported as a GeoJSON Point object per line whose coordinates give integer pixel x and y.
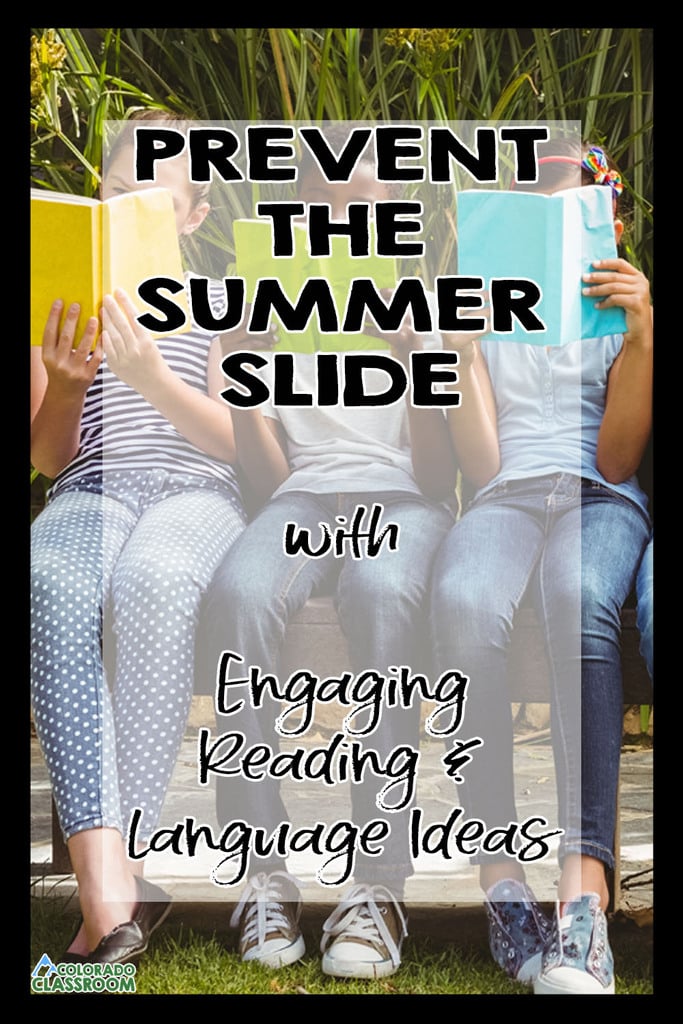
{"type": "Point", "coordinates": [48, 977]}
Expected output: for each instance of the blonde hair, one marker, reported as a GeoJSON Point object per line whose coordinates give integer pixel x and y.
{"type": "Point", "coordinates": [125, 136]}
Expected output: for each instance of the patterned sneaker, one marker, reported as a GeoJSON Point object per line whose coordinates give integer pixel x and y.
{"type": "Point", "coordinates": [362, 937]}
{"type": "Point", "coordinates": [578, 959]}
{"type": "Point", "coordinates": [518, 929]}
{"type": "Point", "coordinates": [268, 918]}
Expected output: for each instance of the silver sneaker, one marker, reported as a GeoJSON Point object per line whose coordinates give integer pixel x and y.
{"type": "Point", "coordinates": [268, 918]}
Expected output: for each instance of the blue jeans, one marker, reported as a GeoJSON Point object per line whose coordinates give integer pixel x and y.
{"type": "Point", "coordinates": [381, 607]}
{"type": "Point", "coordinates": [645, 606]}
{"type": "Point", "coordinates": [571, 548]}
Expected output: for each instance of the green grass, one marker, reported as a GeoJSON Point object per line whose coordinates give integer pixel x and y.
{"type": "Point", "coordinates": [188, 961]}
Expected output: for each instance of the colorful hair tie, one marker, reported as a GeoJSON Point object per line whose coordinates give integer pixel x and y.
{"type": "Point", "coordinates": [595, 162]}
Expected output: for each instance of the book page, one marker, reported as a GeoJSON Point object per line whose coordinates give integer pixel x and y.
{"type": "Point", "coordinates": [66, 261]}
{"type": "Point", "coordinates": [549, 240]}
{"type": "Point", "coordinates": [255, 261]}
{"type": "Point", "coordinates": [140, 241]}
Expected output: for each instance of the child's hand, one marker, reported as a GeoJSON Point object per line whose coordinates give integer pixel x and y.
{"type": "Point", "coordinates": [132, 353]}
{"type": "Point", "coordinates": [623, 285]}
{"type": "Point", "coordinates": [464, 343]}
{"type": "Point", "coordinates": [401, 342]}
{"type": "Point", "coordinates": [70, 368]}
{"type": "Point", "coordinates": [240, 340]}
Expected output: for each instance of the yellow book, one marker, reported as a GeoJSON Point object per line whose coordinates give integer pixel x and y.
{"type": "Point", "coordinates": [82, 249]}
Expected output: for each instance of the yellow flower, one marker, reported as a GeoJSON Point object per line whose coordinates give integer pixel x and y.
{"type": "Point", "coordinates": [48, 54]}
{"type": "Point", "coordinates": [431, 47]}
{"type": "Point", "coordinates": [425, 40]}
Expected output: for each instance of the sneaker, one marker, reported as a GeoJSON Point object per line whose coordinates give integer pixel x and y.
{"type": "Point", "coordinates": [578, 959]}
{"type": "Point", "coordinates": [362, 937]}
{"type": "Point", "coordinates": [518, 929]}
{"type": "Point", "coordinates": [268, 918]}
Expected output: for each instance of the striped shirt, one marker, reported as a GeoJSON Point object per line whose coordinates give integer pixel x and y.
{"type": "Point", "coordinates": [120, 430]}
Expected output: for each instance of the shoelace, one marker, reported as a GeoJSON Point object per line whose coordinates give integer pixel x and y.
{"type": "Point", "coordinates": [265, 913]}
{"type": "Point", "coordinates": [358, 917]}
{"type": "Point", "coordinates": [510, 891]}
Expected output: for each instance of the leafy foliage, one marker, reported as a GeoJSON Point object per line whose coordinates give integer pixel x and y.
{"type": "Point", "coordinates": [601, 77]}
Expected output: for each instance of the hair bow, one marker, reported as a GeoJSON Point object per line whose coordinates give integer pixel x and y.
{"type": "Point", "coordinates": [595, 162]}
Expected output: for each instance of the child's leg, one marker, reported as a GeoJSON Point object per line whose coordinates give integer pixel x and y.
{"type": "Point", "coordinates": [72, 559]}
{"type": "Point", "coordinates": [157, 586]}
{"type": "Point", "coordinates": [588, 572]}
{"type": "Point", "coordinates": [255, 591]}
{"type": "Point", "coordinates": [481, 575]}
{"type": "Point", "coordinates": [593, 553]}
{"type": "Point", "coordinates": [381, 603]}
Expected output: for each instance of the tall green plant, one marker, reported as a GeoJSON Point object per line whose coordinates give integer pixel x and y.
{"type": "Point", "coordinates": [602, 77]}
{"type": "Point", "coordinates": [74, 90]}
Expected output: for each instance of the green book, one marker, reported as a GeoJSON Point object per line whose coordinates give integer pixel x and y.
{"type": "Point", "coordinates": [254, 261]}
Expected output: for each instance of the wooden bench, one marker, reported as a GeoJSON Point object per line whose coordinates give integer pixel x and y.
{"type": "Point", "coordinates": [314, 640]}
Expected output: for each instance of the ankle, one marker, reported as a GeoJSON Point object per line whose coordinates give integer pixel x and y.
{"type": "Point", "coordinates": [491, 874]}
{"type": "Point", "coordinates": [104, 905]}
{"type": "Point", "coordinates": [582, 875]}
{"type": "Point", "coordinates": [564, 905]}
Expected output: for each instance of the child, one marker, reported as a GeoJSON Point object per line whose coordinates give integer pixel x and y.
{"type": "Point", "coordinates": [562, 524]}
{"type": "Point", "coordinates": [143, 506]}
{"type": "Point", "coordinates": [313, 465]}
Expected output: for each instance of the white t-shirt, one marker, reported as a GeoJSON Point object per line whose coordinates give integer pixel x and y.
{"type": "Point", "coordinates": [342, 449]}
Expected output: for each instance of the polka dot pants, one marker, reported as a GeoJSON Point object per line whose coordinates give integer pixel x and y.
{"type": "Point", "coordinates": [117, 581]}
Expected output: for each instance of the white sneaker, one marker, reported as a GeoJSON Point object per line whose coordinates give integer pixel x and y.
{"type": "Point", "coordinates": [578, 959]}
{"type": "Point", "coordinates": [268, 918]}
{"type": "Point", "coordinates": [362, 937]}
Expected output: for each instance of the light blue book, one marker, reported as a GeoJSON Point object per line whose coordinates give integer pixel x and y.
{"type": "Point", "coordinates": [548, 239]}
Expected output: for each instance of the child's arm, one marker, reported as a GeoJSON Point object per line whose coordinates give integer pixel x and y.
{"type": "Point", "coordinates": [474, 423]}
{"type": "Point", "coordinates": [627, 420]}
{"type": "Point", "coordinates": [60, 377]}
{"type": "Point", "coordinates": [260, 451]}
{"type": "Point", "coordinates": [433, 458]}
{"type": "Point", "coordinates": [133, 355]}
{"type": "Point", "coordinates": [260, 441]}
